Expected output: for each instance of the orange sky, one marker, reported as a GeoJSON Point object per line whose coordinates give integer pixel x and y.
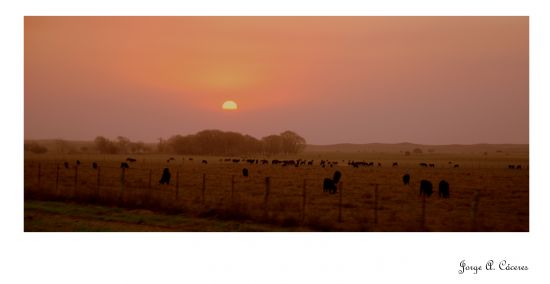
{"type": "Point", "coordinates": [432, 80]}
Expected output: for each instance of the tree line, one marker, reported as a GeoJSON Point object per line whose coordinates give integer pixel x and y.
{"type": "Point", "coordinates": [206, 142]}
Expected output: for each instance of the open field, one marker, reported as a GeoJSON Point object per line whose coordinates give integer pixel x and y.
{"type": "Point", "coordinates": [293, 196]}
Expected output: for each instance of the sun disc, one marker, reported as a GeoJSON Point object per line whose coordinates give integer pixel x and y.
{"type": "Point", "coordinates": [229, 105]}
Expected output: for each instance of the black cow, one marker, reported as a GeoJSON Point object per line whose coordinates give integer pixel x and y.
{"type": "Point", "coordinates": [131, 160]}
{"type": "Point", "coordinates": [245, 172]}
{"type": "Point", "coordinates": [511, 167]}
{"type": "Point", "coordinates": [94, 165]}
{"type": "Point", "coordinates": [406, 179]}
{"type": "Point", "coordinates": [423, 165]}
{"type": "Point", "coordinates": [124, 165]}
{"type": "Point", "coordinates": [518, 167]}
{"type": "Point", "coordinates": [426, 188]}
{"type": "Point", "coordinates": [457, 165]}
{"type": "Point", "coordinates": [77, 163]}
{"type": "Point", "coordinates": [395, 164]}
{"type": "Point", "coordinates": [205, 162]}
{"type": "Point", "coordinates": [432, 165]}
{"type": "Point", "coordinates": [330, 185]}
{"type": "Point", "coordinates": [165, 178]}
{"type": "Point", "coordinates": [444, 189]}
{"type": "Point", "coordinates": [66, 165]}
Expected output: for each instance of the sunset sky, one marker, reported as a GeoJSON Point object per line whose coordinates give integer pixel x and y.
{"type": "Point", "coordinates": [429, 80]}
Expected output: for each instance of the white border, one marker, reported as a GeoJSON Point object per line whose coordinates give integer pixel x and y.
{"type": "Point", "coordinates": [272, 257]}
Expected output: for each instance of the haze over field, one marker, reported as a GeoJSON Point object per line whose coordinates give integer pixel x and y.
{"type": "Point", "coordinates": [426, 80]}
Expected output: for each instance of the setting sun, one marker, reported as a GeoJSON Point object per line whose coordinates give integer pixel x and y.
{"type": "Point", "coordinates": [229, 105]}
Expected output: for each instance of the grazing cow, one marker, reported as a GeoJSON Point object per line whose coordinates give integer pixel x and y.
{"type": "Point", "coordinates": [77, 163]}
{"type": "Point", "coordinates": [329, 186]}
{"type": "Point", "coordinates": [395, 165]}
{"type": "Point", "coordinates": [94, 165]}
{"type": "Point", "coordinates": [456, 165]}
{"type": "Point", "coordinates": [124, 165]}
{"type": "Point", "coordinates": [426, 188]}
{"type": "Point", "coordinates": [265, 162]}
{"type": "Point", "coordinates": [165, 178]}
{"type": "Point", "coordinates": [66, 164]}
{"type": "Point", "coordinates": [205, 162]}
{"type": "Point", "coordinates": [245, 172]}
{"type": "Point", "coordinates": [406, 179]}
{"type": "Point", "coordinates": [236, 161]}
{"type": "Point", "coordinates": [518, 167]}
{"type": "Point", "coordinates": [444, 189]}
{"type": "Point", "coordinates": [432, 165]}
{"type": "Point", "coordinates": [310, 163]}
{"type": "Point", "coordinates": [131, 160]}
{"type": "Point", "coordinates": [511, 167]}
{"type": "Point", "coordinates": [423, 165]}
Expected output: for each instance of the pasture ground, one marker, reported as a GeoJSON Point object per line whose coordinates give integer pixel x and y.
{"type": "Point", "coordinates": [485, 194]}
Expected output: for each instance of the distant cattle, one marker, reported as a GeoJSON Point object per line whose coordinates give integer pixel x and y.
{"type": "Point", "coordinates": [275, 162]}
{"type": "Point", "coordinates": [337, 176]}
{"type": "Point", "coordinates": [423, 165]}
{"type": "Point", "coordinates": [379, 164]}
{"type": "Point", "coordinates": [511, 167]}
{"type": "Point", "coordinates": [245, 172]}
{"type": "Point", "coordinates": [518, 167]}
{"type": "Point", "coordinates": [204, 162]}
{"type": "Point", "coordinates": [77, 163]}
{"type": "Point", "coordinates": [94, 165]}
{"type": "Point", "coordinates": [190, 159]}
{"type": "Point", "coordinates": [432, 165]}
{"type": "Point", "coordinates": [406, 179]}
{"type": "Point", "coordinates": [236, 161]}
{"type": "Point", "coordinates": [456, 166]}
{"type": "Point", "coordinates": [264, 162]}
{"type": "Point", "coordinates": [165, 178]}
{"type": "Point", "coordinates": [131, 160]}
{"type": "Point", "coordinates": [444, 189]}
{"type": "Point", "coordinates": [395, 164]}
{"type": "Point", "coordinates": [124, 165]}
{"type": "Point", "coordinates": [426, 188]}
{"type": "Point", "coordinates": [310, 163]}
{"type": "Point", "coordinates": [66, 165]}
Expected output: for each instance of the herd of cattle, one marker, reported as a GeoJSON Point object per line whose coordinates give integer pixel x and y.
{"type": "Point", "coordinates": [330, 185]}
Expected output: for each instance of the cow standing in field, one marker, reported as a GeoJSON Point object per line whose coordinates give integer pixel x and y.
{"type": "Point", "coordinates": [77, 163]}
{"type": "Point", "coordinates": [330, 185]}
{"type": "Point", "coordinates": [395, 165]}
{"type": "Point", "coordinates": [426, 188]}
{"type": "Point", "coordinates": [124, 165]}
{"type": "Point", "coordinates": [406, 179]}
{"type": "Point", "coordinates": [165, 178]}
{"type": "Point", "coordinates": [424, 165]}
{"type": "Point", "coordinates": [444, 189]}
{"type": "Point", "coordinates": [94, 165]}
{"type": "Point", "coordinates": [245, 172]}
{"type": "Point", "coordinates": [205, 162]}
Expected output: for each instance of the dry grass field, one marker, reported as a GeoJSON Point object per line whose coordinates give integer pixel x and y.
{"type": "Point", "coordinates": [485, 195]}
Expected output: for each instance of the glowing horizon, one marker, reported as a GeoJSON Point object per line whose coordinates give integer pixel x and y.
{"type": "Point", "coordinates": [428, 80]}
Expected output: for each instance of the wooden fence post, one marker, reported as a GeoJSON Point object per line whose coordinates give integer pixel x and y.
{"type": "Point", "coordinates": [38, 176]}
{"type": "Point", "coordinates": [376, 204]}
{"type": "Point", "coordinates": [203, 188]}
{"type": "Point", "coordinates": [266, 194]}
{"type": "Point", "coordinates": [177, 183]}
{"type": "Point", "coordinates": [304, 196]}
{"type": "Point", "coordinates": [122, 183]}
{"type": "Point", "coordinates": [232, 190]}
{"type": "Point", "coordinates": [75, 181]}
{"type": "Point", "coordinates": [423, 217]}
{"type": "Point", "coordinates": [475, 205]}
{"type": "Point", "coordinates": [98, 182]}
{"type": "Point", "coordinates": [341, 188]}
{"type": "Point", "coordinates": [57, 179]}
{"type": "Point", "coordinates": [150, 175]}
